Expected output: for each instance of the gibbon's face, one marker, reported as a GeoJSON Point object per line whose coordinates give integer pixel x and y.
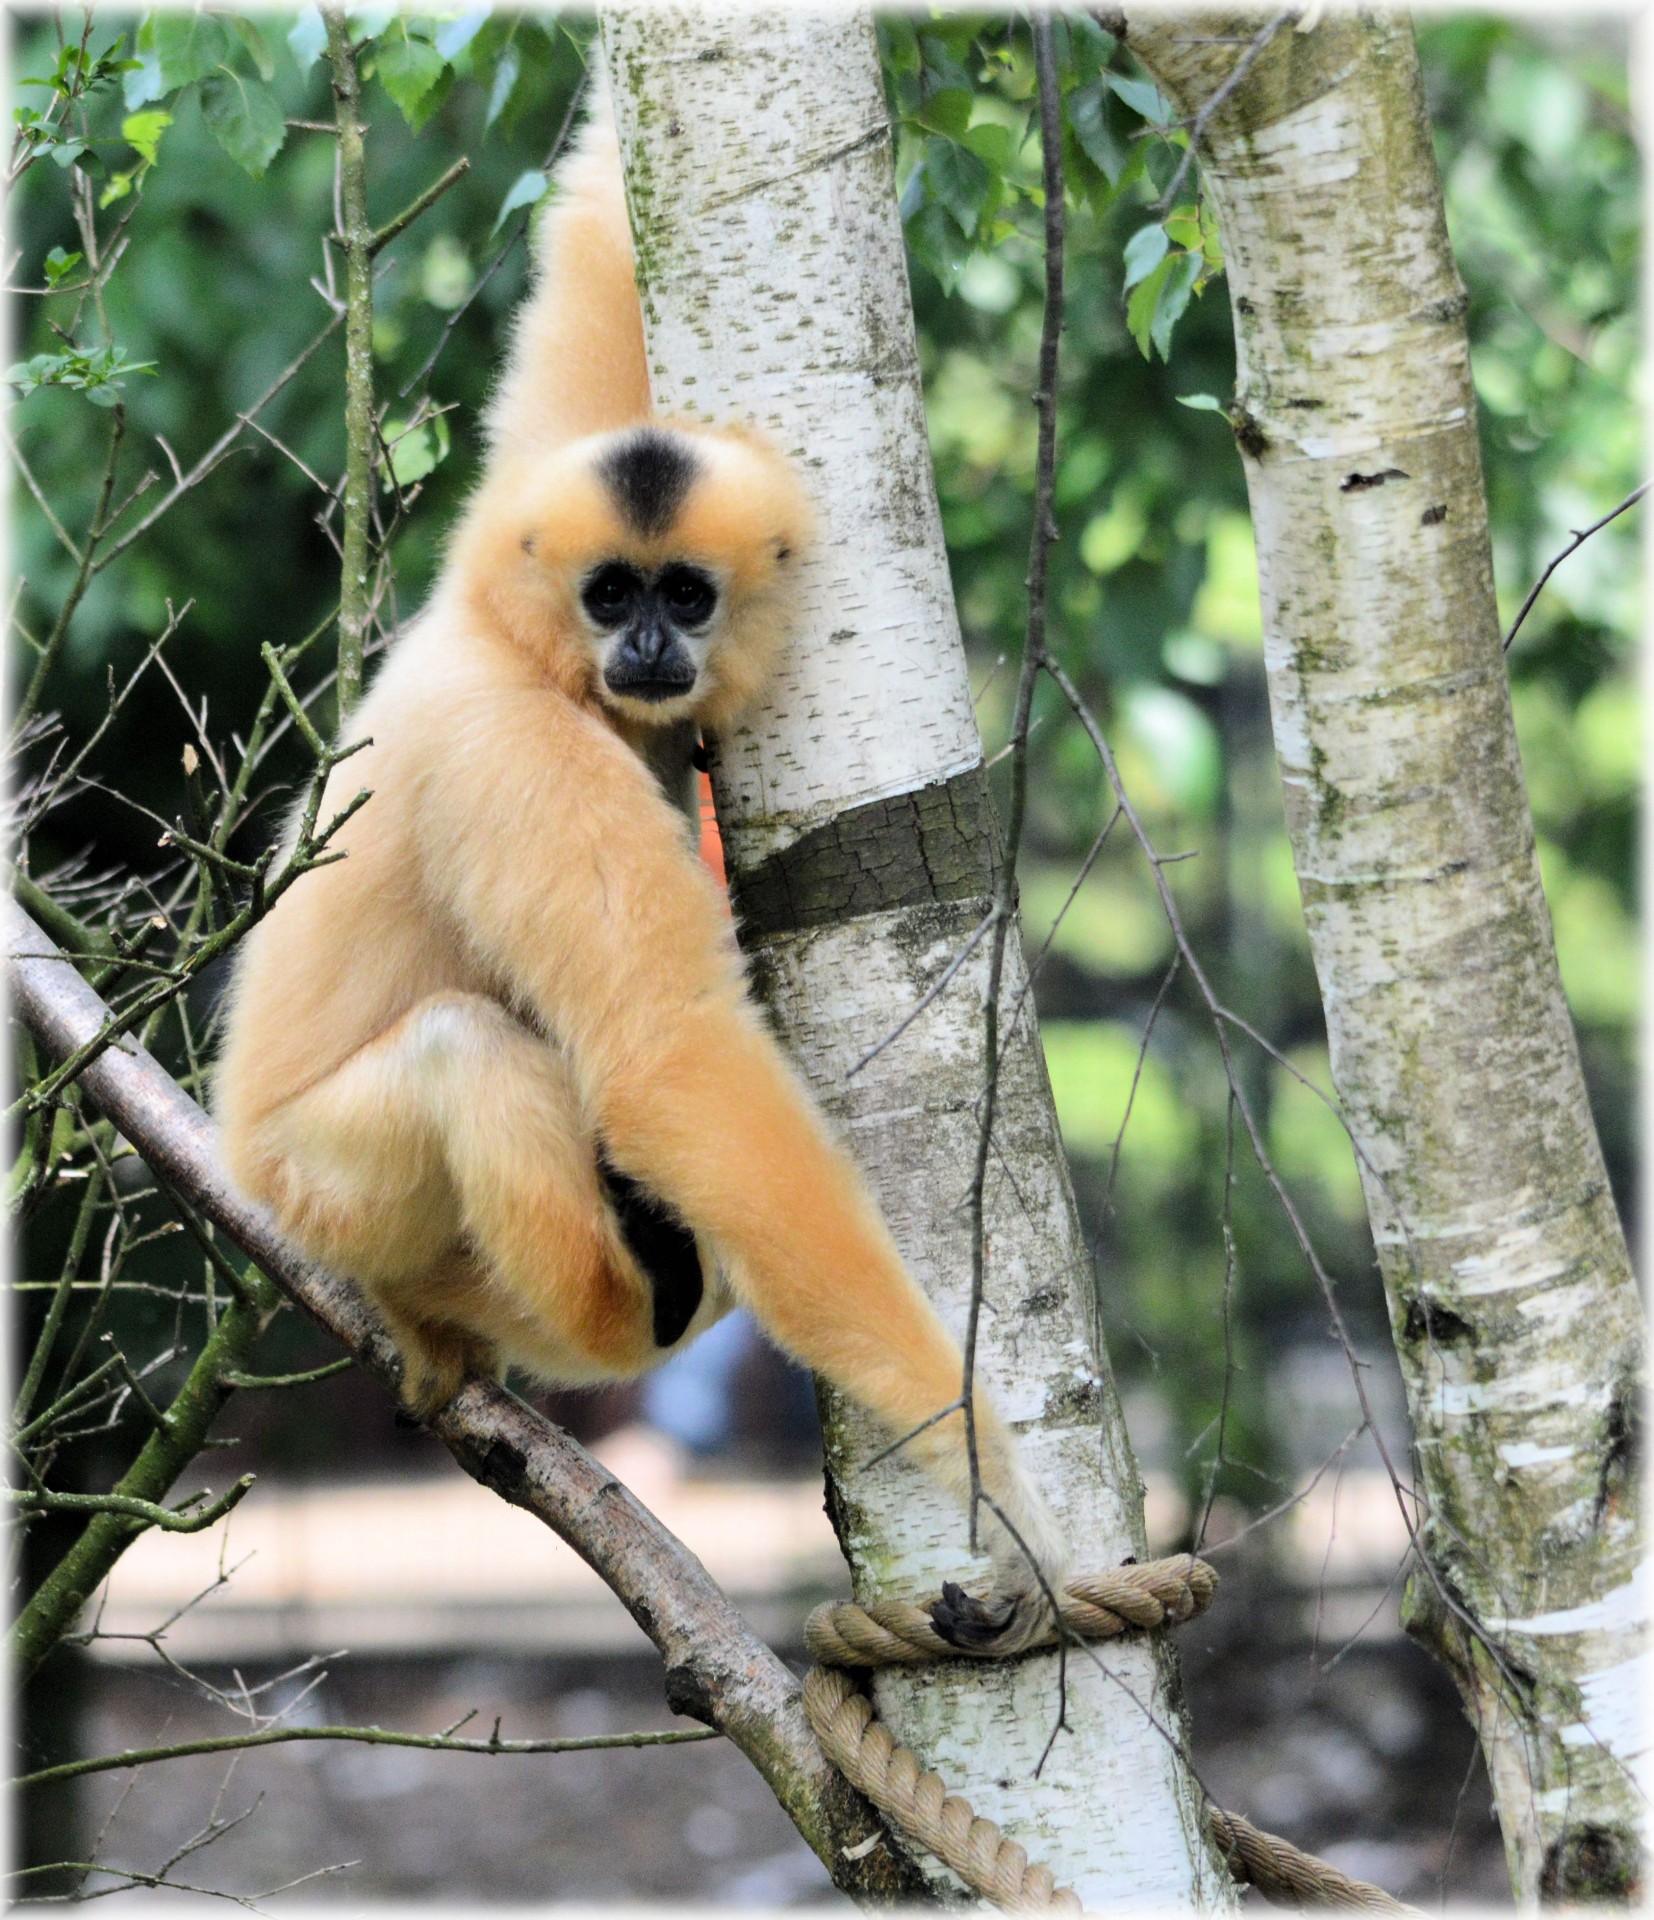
{"type": "Point", "coordinates": [674, 552]}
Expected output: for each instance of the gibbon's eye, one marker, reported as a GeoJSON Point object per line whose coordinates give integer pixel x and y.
{"type": "Point", "coordinates": [608, 593]}
{"type": "Point", "coordinates": [689, 595]}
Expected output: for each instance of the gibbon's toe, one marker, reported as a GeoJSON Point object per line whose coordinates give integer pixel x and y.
{"type": "Point", "coordinates": [434, 1363]}
{"type": "Point", "coordinates": [994, 1627]}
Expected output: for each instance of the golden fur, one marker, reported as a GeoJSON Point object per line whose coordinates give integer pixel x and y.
{"type": "Point", "coordinates": [522, 956]}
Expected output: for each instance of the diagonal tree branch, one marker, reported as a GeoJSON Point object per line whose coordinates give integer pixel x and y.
{"type": "Point", "coordinates": [716, 1670]}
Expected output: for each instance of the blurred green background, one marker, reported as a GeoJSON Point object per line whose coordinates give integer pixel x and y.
{"type": "Point", "coordinates": [1154, 589]}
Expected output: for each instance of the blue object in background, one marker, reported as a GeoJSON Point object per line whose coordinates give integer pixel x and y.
{"type": "Point", "coordinates": [692, 1397]}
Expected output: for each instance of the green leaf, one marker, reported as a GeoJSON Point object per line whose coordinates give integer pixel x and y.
{"type": "Point", "coordinates": [1145, 250]}
{"type": "Point", "coordinates": [142, 132]}
{"type": "Point", "coordinates": [120, 185]}
{"type": "Point", "coordinates": [1201, 402]}
{"type": "Point", "coordinates": [144, 81]}
{"type": "Point", "coordinates": [1140, 308]}
{"type": "Point", "coordinates": [1088, 116]}
{"type": "Point", "coordinates": [59, 265]}
{"type": "Point", "coordinates": [1183, 225]}
{"type": "Point", "coordinates": [254, 42]}
{"type": "Point", "coordinates": [1183, 269]}
{"type": "Point", "coordinates": [528, 188]}
{"type": "Point", "coordinates": [454, 36]}
{"type": "Point", "coordinates": [505, 79]}
{"type": "Point", "coordinates": [936, 240]}
{"type": "Point", "coordinates": [415, 451]}
{"type": "Point", "coordinates": [899, 43]}
{"type": "Point", "coordinates": [98, 373]}
{"type": "Point", "coordinates": [67, 152]}
{"type": "Point", "coordinates": [960, 182]}
{"type": "Point", "coordinates": [187, 46]}
{"type": "Point", "coordinates": [1143, 97]}
{"type": "Point", "coordinates": [407, 68]}
{"type": "Point", "coordinates": [947, 112]}
{"type": "Point", "coordinates": [1089, 47]}
{"type": "Point", "coordinates": [308, 37]}
{"type": "Point", "coordinates": [245, 120]}
{"type": "Point", "coordinates": [1211, 241]}
{"type": "Point", "coordinates": [993, 145]}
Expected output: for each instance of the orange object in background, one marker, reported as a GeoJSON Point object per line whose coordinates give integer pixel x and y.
{"type": "Point", "coordinates": [712, 846]}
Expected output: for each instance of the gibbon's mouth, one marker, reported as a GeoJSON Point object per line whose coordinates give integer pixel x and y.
{"type": "Point", "coordinates": [652, 688]}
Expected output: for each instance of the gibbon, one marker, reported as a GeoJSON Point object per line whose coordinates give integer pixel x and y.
{"type": "Point", "coordinates": [499, 1066]}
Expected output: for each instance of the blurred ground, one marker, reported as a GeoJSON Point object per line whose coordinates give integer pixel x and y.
{"type": "Point", "coordinates": [452, 1602]}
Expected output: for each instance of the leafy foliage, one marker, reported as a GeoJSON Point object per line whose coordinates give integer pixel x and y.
{"type": "Point", "coordinates": [100, 373]}
{"type": "Point", "coordinates": [963, 97]}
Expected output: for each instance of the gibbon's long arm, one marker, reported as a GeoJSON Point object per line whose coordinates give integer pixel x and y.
{"type": "Point", "coordinates": [577, 363]}
{"type": "Point", "coordinates": [623, 951]}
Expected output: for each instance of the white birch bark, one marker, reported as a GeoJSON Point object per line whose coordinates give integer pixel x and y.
{"type": "Point", "coordinates": [860, 843]}
{"type": "Point", "coordinates": [1511, 1295]}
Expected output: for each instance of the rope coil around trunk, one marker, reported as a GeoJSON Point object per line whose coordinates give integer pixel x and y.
{"type": "Point", "coordinates": [1096, 1606]}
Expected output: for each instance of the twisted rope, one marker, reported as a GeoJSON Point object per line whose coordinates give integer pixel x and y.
{"type": "Point", "coordinates": [919, 1806]}
{"type": "Point", "coordinates": [1096, 1606]}
{"type": "Point", "coordinates": [1285, 1875]}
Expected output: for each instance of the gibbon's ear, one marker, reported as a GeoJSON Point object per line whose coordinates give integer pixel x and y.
{"type": "Point", "coordinates": [517, 559]}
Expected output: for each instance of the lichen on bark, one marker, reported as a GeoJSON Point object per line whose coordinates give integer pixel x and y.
{"type": "Point", "coordinates": [1511, 1296]}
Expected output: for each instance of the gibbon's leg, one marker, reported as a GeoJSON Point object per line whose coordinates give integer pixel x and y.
{"type": "Point", "coordinates": [446, 1166]}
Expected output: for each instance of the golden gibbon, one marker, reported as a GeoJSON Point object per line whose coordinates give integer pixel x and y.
{"type": "Point", "coordinates": [500, 1066]}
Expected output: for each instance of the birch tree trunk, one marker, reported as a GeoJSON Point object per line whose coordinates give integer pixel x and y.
{"type": "Point", "coordinates": [860, 840]}
{"type": "Point", "coordinates": [1511, 1295]}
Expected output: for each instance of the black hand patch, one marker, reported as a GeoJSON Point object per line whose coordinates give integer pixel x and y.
{"type": "Point", "coordinates": [649, 473]}
{"type": "Point", "coordinates": [662, 1246]}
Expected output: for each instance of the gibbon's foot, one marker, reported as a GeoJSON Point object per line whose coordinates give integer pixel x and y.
{"type": "Point", "coordinates": [435, 1361]}
{"type": "Point", "coordinates": [995, 1627]}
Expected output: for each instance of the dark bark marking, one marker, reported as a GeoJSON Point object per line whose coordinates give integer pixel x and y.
{"type": "Point", "coordinates": [1621, 1448]}
{"type": "Point", "coordinates": [1427, 1319]}
{"type": "Point", "coordinates": [686, 1693]}
{"type": "Point", "coordinates": [1433, 516]}
{"type": "Point", "coordinates": [1249, 436]}
{"type": "Point", "coordinates": [936, 844]}
{"type": "Point", "coordinates": [1591, 1862]}
{"type": "Point", "coordinates": [1360, 482]}
{"type": "Point", "coordinates": [503, 1467]}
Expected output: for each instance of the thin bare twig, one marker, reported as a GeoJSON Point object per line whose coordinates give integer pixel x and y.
{"type": "Point", "coordinates": [1237, 73]}
{"type": "Point", "coordinates": [356, 239]}
{"type": "Point", "coordinates": [1033, 658]}
{"type": "Point", "coordinates": [360, 1736]}
{"type": "Point", "coordinates": [1575, 543]}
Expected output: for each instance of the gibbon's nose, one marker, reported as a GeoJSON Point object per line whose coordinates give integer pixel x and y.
{"type": "Point", "coordinates": [648, 640]}
{"type": "Point", "coordinates": [649, 662]}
